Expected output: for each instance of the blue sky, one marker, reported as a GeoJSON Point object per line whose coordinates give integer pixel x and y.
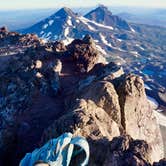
{"type": "Point", "coordinates": [24, 4]}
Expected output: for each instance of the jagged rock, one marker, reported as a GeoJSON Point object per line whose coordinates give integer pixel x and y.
{"type": "Point", "coordinates": [108, 71]}
{"type": "Point", "coordinates": [162, 162]}
{"type": "Point", "coordinates": [85, 119]}
{"type": "Point", "coordinates": [126, 151]}
{"type": "Point", "coordinates": [84, 53]}
{"type": "Point", "coordinates": [124, 102]}
{"type": "Point", "coordinates": [51, 73]}
{"type": "Point", "coordinates": [105, 96]}
{"type": "Point", "coordinates": [104, 16]}
{"type": "Point", "coordinates": [3, 30]}
{"type": "Point", "coordinates": [137, 116]}
{"type": "Point", "coordinates": [20, 80]}
{"type": "Point", "coordinates": [59, 46]}
{"type": "Point", "coordinates": [121, 151]}
{"type": "Point", "coordinates": [14, 38]}
{"type": "Point", "coordinates": [38, 64]}
{"type": "Point", "coordinates": [58, 66]}
{"type": "Point", "coordinates": [104, 103]}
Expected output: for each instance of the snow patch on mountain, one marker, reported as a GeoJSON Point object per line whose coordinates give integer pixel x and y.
{"type": "Point", "coordinates": [78, 21]}
{"type": "Point", "coordinates": [45, 26]}
{"type": "Point", "coordinates": [154, 104]}
{"type": "Point", "coordinates": [66, 32]}
{"type": "Point", "coordinates": [134, 53]}
{"type": "Point", "coordinates": [101, 25]}
{"type": "Point", "coordinates": [57, 17]}
{"type": "Point", "coordinates": [120, 40]}
{"type": "Point", "coordinates": [147, 87]}
{"type": "Point", "coordinates": [42, 32]}
{"type": "Point", "coordinates": [48, 34]}
{"type": "Point", "coordinates": [69, 22]}
{"type": "Point", "coordinates": [161, 119]}
{"type": "Point", "coordinates": [132, 30]}
{"type": "Point", "coordinates": [140, 47]}
{"type": "Point", "coordinates": [103, 38]}
{"type": "Point", "coordinates": [50, 22]}
{"type": "Point", "coordinates": [55, 37]}
{"type": "Point", "coordinates": [85, 21]}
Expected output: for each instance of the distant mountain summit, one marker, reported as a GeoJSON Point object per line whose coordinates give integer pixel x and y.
{"type": "Point", "coordinates": [103, 16]}
{"type": "Point", "coordinates": [66, 25]}
{"type": "Point", "coordinates": [55, 27]}
{"type": "Point", "coordinates": [65, 12]}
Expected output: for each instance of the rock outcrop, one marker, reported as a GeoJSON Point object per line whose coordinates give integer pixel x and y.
{"type": "Point", "coordinates": [123, 102]}
{"type": "Point", "coordinates": [97, 101]}
{"type": "Point", "coordinates": [85, 119]}
{"type": "Point", "coordinates": [162, 162]}
{"type": "Point", "coordinates": [138, 119]}
{"type": "Point", "coordinates": [84, 53]}
{"type": "Point", "coordinates": [121, 151]}
{"type": "Point", "coordinates": [23, 76]}
{"type": "Point", "coordinates": [14, 38]}
{"type": "Point", "coordinates": [59, 46]}
{"type": "Point", "coordinates": [103, 16]}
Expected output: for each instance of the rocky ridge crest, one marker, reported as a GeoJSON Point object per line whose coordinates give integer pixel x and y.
{"type": "Point", "coordinates": [97, 101]}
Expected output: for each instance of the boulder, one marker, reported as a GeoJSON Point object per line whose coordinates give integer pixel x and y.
{"type": "Point", "coordinates": [124, 151]}
{"type": "Point", "coordinates": [105, 96]}
{"type": "Point", "coordinates": [59, 46]}
{"type": "Point", "coordinates": [121, 151]}
{"type": "Point", "coordinates": [162, 162]}
{"type": "Point", "coordinates": [85, 119]}
{"type": "Point", "coordinates": [84, 53]}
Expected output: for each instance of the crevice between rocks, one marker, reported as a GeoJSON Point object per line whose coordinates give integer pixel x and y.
{"type": "Point", "coordinates": [119, 90]}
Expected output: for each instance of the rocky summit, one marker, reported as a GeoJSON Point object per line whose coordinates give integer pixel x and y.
{"type": "Point", "coordinates": [103, 16]}
{"type": "Point", "coordinates": [47, 88]}
{"type": "Point", "coordinates": [140, 49]}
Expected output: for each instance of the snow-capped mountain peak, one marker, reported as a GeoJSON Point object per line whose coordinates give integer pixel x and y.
{"type": "Point", "coordinates": [102, 15]}
{"type": "Point", "coordinates": [64, 12]}
{"type": "Point", "coordinates": [65, 25]}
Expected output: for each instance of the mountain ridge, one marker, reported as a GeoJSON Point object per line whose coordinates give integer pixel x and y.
{"type": "Point", "coordinates": [104, 16]}
{"type": "Point", "coordinates": [143, 45]}
{"type": "Point", "coordinates": [49, 88]}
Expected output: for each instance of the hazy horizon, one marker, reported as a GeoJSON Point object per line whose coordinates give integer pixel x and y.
{"type": "Point", "coordinates": [36, 4]}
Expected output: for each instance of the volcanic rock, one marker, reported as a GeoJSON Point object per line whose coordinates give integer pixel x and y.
{"type": "Point", "coordinates": [162, 162]}
{"type": "Point", "coordinates": [100, 104]}
{"type": "Point", "coordinates": [85, 119]}
{"type": "Point", "coordinates": [103, 16]}
{"type": "Point", "coordinates": [59, 46]}
{"type": "Point", "coordinates": [84, 53]}
{"type": "Point", "coordinates": [124, 102]}
{"type": "Point", "coordinates": [137, 116]}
